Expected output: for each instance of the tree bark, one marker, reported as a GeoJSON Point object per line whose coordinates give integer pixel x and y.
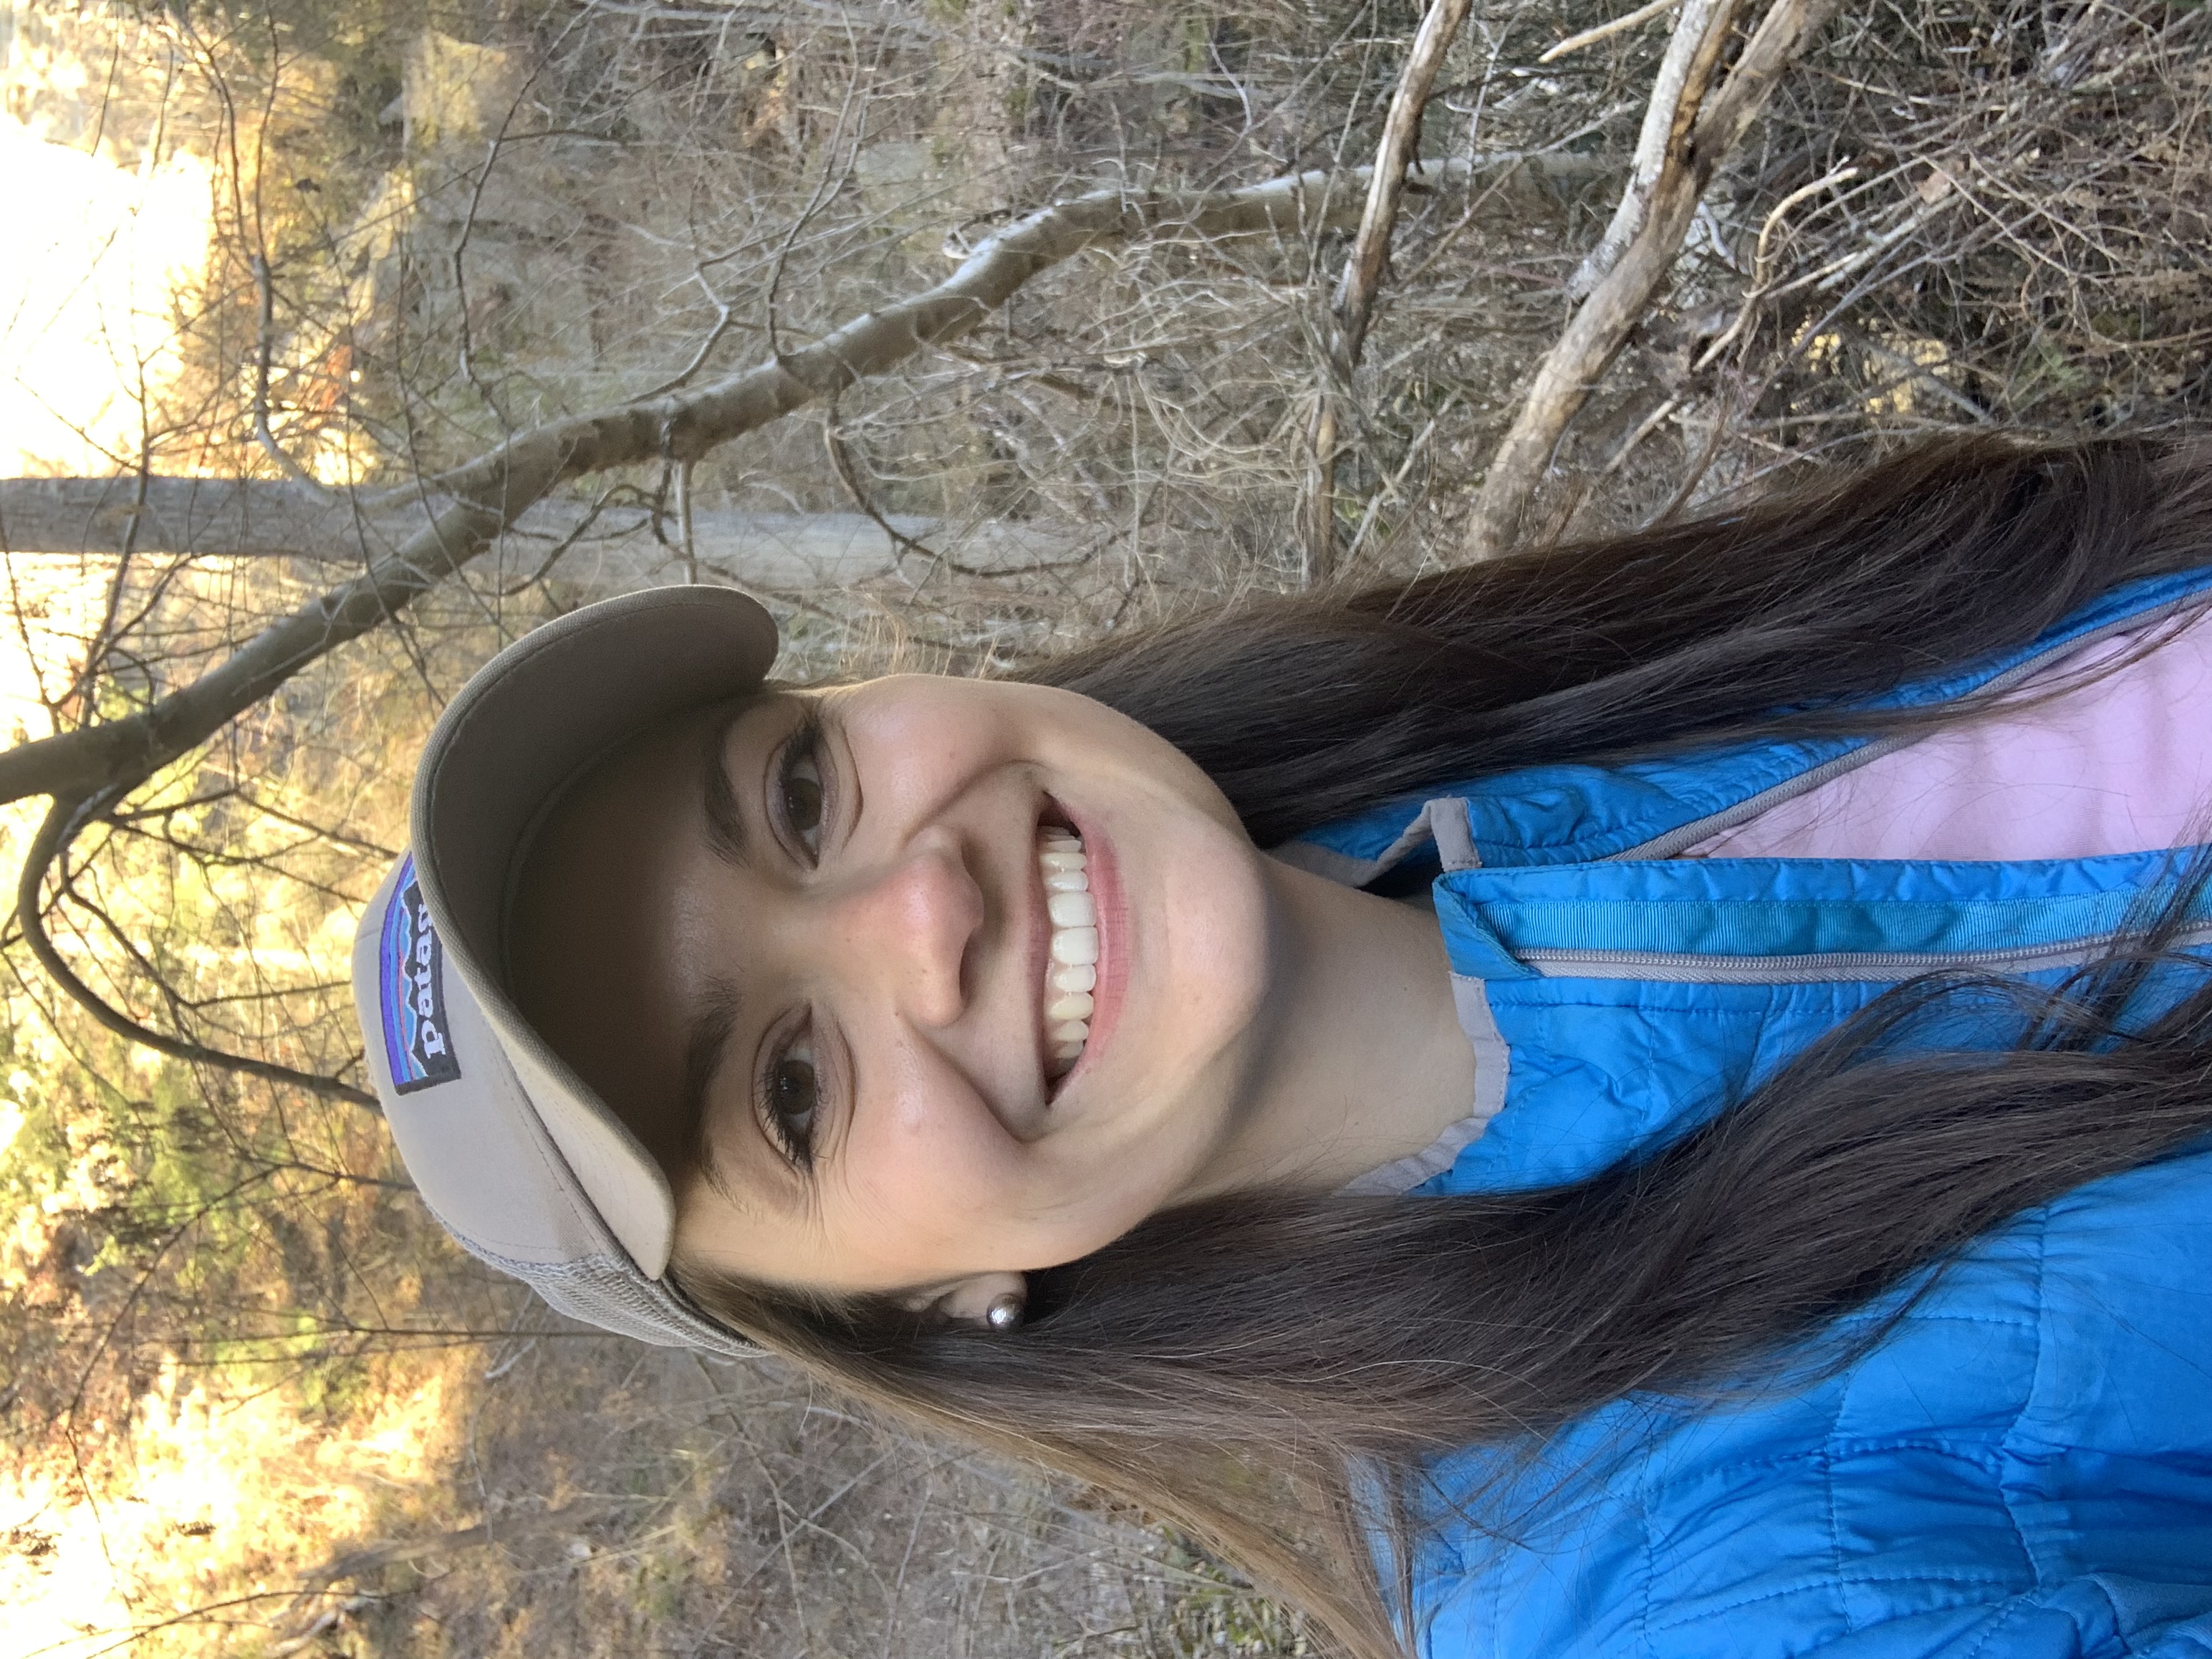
{"type": "Point", "coordinates": [1678, 90]}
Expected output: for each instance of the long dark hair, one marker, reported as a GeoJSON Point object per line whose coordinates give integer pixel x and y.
{"type": "Point", "coordinates": [1250, 1368]}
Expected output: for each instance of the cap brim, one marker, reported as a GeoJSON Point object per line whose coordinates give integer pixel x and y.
{"type": "Point", "coordinates": [530, 722]}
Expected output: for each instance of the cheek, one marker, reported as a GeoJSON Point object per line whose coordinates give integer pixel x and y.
{"type": "Point", "coordinates": [926, 1173]}
{"type": "Point", "coordinates": [1202, 979]}
{"type": "Point", "coordinates": [913, 735]}
{"type": "Point", "coordinates": [930, 1183]}
{"type": "Point", "coordinates": [1216, 914]}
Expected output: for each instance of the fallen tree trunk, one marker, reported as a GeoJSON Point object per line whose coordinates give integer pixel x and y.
{"type": "Point", "coordinates": [614, 549]}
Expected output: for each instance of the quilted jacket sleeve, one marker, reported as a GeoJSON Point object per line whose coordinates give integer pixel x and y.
{"type": "Point", "coordinates": [2093, 1616]}
{"type": "Point", "coordinates": [2021, 1470]}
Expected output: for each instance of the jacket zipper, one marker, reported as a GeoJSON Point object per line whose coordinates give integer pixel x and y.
{"type": "Point", "coordinates": [1840, 965]}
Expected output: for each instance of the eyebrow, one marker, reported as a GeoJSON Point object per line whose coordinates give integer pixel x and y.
{"type": "Point", "coordinates": [725, 821]}
{"type": "Point", "coordinates": [709, 1032]}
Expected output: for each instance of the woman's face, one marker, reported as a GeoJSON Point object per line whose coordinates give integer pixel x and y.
{"type": "Point", "coordinates": [818, 926]}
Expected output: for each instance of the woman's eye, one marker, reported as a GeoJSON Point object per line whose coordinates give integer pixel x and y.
{"type": "Point", "coordinates": [800, 786]}
{"type": "Point", "coordinates": [791, 1092]}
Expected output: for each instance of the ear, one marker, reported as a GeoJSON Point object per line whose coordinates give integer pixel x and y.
{"type": "Point", "coordinates": [966, 1301]}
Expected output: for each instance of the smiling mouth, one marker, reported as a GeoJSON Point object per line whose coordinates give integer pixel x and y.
{"type": "Point", "coordinates": [1072, 956]}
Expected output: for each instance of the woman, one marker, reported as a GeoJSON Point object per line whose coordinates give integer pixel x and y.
{"type": "Point", "coordinates": [1690, 1143]}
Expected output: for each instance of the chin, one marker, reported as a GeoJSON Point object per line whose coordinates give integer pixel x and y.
{"type": "Point", "coordinates": [1188, 1037]}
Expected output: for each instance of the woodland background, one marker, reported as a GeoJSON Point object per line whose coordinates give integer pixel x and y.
{"type": "Point", "coordinates": [348, 338]}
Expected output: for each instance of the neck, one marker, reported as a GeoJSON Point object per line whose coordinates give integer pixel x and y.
{"type": "Point", "coordinates": [1365, 1058]}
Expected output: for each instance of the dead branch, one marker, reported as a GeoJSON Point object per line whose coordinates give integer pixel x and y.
{"type": "Point", "coordinates": [1677, 92]}
{"type": "Point", "coordinates": [64, 822]}
{"type": "Point", "coordinates": [264, 347]}
{"type": "Point", "coordinates": [355, 1564]}
{"type": "Point", "coordinates": [1354, 299]}
{"type": "Point", "coordinates": [92, 767]}
{"type": "Point", "coordinates": [487, 494]}
{"type": "Point", "coordinates": [1401, 130]}
{"type": "Point", "coordinates": [1605, 31]}
{"type": "Point", "coordinates": [1701, 140]}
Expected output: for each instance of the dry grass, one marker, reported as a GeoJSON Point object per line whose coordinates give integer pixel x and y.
{"type": "Point", "coordinates": [645, 1501]}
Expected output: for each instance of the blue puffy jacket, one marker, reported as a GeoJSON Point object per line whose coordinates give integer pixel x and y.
{"type": "Point", "coordinates": [2024, 1466]}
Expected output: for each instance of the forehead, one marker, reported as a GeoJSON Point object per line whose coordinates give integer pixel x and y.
{"type": "Point", "coordinates": [615, 909]}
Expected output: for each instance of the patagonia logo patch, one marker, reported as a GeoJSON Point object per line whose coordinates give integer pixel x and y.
{"type": "Point", "coordinates": [417, 1044]}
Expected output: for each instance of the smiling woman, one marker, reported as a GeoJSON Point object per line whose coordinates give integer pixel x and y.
{"type": "Point", "coordinates": [909, 985]}
{"type": "Point", "coordinates": [1526, 1107]}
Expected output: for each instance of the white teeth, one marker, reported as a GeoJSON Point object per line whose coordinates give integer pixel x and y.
{"type": "Point", "coordinates": [1072, 975]}
{"type": "Point", "coordinates": [1071, 910]}
{"type": "Point", "coordinates": [1075, 945]}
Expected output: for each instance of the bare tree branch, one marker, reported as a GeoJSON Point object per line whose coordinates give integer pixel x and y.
{"type": "Point", "coordinates": [1605, 31]}
{"type": "Point", "coordinates": [1563, 379]}
{"type": "Point", "coordinates": [1354, 299]}
{"type": "Point", "coordinates": [359, 1564]}
{"type": "Point", "coordinates": [264, 285]}
{"type": "Point", "coordinates": [1677, 92]}
{"type": "Point", "coordinates": [489, 494]}
{"type": "Point", "coordinates": [65, 821]}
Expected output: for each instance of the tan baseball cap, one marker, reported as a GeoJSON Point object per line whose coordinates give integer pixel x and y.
{"type": "Point", "coordinates": [519, 1161]}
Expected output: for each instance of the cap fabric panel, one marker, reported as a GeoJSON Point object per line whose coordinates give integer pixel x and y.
{"type": "Point", "coordinates": [477, 1149]}
{"type": "Point", "coordinates": [490, 1172]}
{"type": "Point", "coordinates": [608, 1291]}
{"type": "Point", "coordinates": [631, 1197]}
{"type": "Point", "coordinates": [540, 714]}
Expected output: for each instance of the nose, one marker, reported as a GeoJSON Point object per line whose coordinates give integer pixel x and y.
{"type": "Point", "coordinates": [908, 925]}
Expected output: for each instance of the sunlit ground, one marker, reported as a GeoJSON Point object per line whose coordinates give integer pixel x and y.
{"type": "Point", "coordinates": [218, 1487]}
{"type": "Point", "coordinates": [195, 1499]}
{"type": "Point", "coordinates": [198, 1498]}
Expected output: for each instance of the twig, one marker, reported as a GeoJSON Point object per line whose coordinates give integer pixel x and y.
{"type": "Point", "coordinates": [65, 821]}
{"type": "Point", "coordinates": [1645, 428]}
{"type": "Point", "coordinates": [265, 351]}
{"type": "Point", "coordinates": [1643, 13]}
{"type": "Point", "coordinates": [1910, 372]}
{"type": "Point", "coordinates": [684, 524]}
{"type": "Point", "coordinates": [1761, 277]}
{"type": "Point", "coordinates": [841, 462]}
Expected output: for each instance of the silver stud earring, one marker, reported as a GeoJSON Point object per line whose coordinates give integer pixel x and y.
{"type": "Point", "coordinates": [1005, 1313]}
